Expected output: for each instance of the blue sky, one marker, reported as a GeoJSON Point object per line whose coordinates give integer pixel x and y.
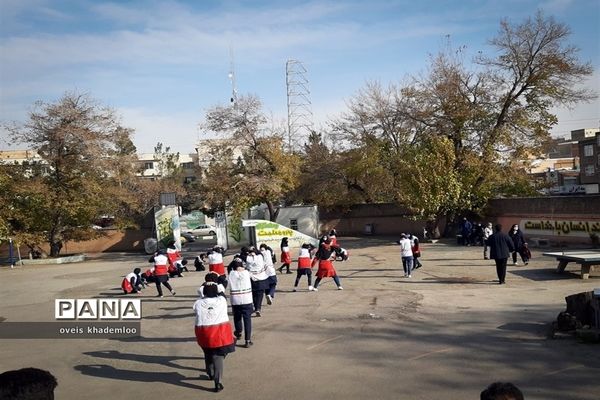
{"type": "Point", "coordinates": [162, 64]}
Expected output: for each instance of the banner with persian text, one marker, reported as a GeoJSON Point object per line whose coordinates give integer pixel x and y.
{"type": "Point", "coordinates": [551, 227]}
{"type": "Point", "coordinates": [271, 234]}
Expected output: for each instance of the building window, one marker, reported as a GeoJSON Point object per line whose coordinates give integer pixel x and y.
{"type": "Point", "coordinates": [294, 224]}
{"type": "Point", "coordinates": [149, 165]}
{"type": "Point", "coordinates": [590, 170]}
{"type": "Point", "coordinates": [187, 165]}
{"type": "Point", "coordinates": [189, 179]}
{"type": "Point", "coordinates": [588, 150]}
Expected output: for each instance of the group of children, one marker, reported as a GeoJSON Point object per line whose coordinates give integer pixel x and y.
{"type": "Point", "coordinates": [251, 277]}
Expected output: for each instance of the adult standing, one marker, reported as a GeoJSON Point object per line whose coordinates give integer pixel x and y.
{"type": "Point", "coordinates": [519, 243]}
{"type": "Point", "coordinates": [255, 263]}
{"type": "Point", "coordinates": [466, 229]}
{"type": "Point", "coordinates": [161, 272]}
{"type": "Point", "coordinates": [213, 332]}
{"type": "Point", "coordinates": [501, 245]}
{"type": "Point", "coordinates": [240, 286]}
{"type": "Point", "coordinates": [406, 254]}
{"type": "Point", "coordinates": [487, 232]}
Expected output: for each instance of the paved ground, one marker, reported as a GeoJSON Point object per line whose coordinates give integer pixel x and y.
{"type": "Point", "coordinates": [444, 334]}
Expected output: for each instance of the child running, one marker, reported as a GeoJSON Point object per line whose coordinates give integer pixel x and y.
{"type": "Point", "coordinates": [304, 266]}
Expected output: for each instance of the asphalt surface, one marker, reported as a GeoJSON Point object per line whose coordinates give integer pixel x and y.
{"type": "Point", "coordinates": [445, 333]}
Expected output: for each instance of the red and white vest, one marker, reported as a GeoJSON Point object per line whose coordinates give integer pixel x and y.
{"type": "Point", "coordinates": [215, 263]}
{"type": "Point", "coordinates": [161, 265]}
{"type": "Point", "coordinates": [212, 327]}
{"type": "Point", "coordinates": [304, 258]}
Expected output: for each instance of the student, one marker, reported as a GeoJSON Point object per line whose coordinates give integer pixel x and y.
{"type": "Point", "coordinates": [199, 262]}
{"type": "Point", "coordinates": [240, 289]}
{"type": "Point", "coordinates": [501, 391]}
{"type": "Point", "coordinates": [268, 257]}
{"type": "Point", "coordinates": [416, 250]}
{"type": "Point", "coordinates": [160, 272]}
{"type": "Point", "coordinates": [487, 232]}
{"type": "Point", "coordinates": [304, 266]}
{"type": "Point", "coordinates": [255, 264]}
{"type": "Point", "coordinates": [213, 332]}
{"type": "Point", "coordinates": [341, 254]}
{"type": "Point", "coordinates": [333, 238]}
{"type": "Point", "coordinates": [176, 262]}
{"type": "Point", "coordinates": [148, 276]}
{"type": "Point", "coordinates": [132, 283]}
{"type": "Point", "coordinates": [286, 258]}
{"type": "Point", "coordinates": [406, 254]}
{"type": "Point", "coordinates": [326, 269]}
{"type": "Point", "coordinates": [212, 277]}
{"type": "Point", "coordinates": [215, 260]}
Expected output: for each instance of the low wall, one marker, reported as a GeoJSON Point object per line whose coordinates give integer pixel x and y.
{"type": "Point", "coordinates": [113, 241]}
{"type": "Point", "coordinates": [375, 219]}
{"type": "Point", "coordinates": [558, 221]}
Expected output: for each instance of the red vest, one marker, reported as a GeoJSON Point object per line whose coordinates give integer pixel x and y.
{"type": "Point", "coordinates": [126, 286]}
{"type": "Point", "coordinates": [213, 336]}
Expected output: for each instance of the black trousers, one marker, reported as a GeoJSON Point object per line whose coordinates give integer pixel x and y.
{"type": "Point", "coordinates": [501, 268]}
{"type": "Point", "coordinates": [164, 279]}
{"type": "Point", "coordinates": [242, 315]}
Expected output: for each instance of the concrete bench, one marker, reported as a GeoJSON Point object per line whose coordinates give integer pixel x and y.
{"type": "Point", "coordinates": [586, 258]}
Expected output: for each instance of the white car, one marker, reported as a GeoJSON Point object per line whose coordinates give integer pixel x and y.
{"type": "Point", "coordinates": [202, 230]}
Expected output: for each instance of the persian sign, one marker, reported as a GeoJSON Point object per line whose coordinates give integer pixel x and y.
{"type": "Point", "coordinates": [560, 228]}
{"type": "Point", "coordinates": [271, 234]}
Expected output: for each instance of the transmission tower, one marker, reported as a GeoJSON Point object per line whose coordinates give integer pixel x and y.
{"type": "Point", "coordinates": [300, 116]}
{"type": "Point", "coordinates": [233, 98]}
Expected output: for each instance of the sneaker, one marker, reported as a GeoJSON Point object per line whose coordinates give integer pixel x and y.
{"type": "Point", "coordinates": [238, 335]}
{"type": "Point", "coordinates": [315, 289]}
{"type": "Point", "coordinates": [526, 262]}
{"type": "Point", "coordinates": [310, 289]}
{"type": "Point", "coordinates": [289, 272]}
{"type": "Point", "coordinates": [249, 343]}
{"type": "Point", "coordinates": [257, 314]}
{"type": "Point", "coordinates": [410, 276]}
{"type": "Point", "coordinates": [516, 263]}
{"type": "Point", "coordinates": [159, 295]}
{"type": "Point", "coordinates": [296, 290]}
{"type": "Point", "coordinates": [269, 299]}
{"type": "Point", "coordinates": [340, 288]}
{"type": "Point", "coordinates": [173, 293]}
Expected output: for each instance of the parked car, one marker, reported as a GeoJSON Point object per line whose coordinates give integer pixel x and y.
{"type": "Point", "coordinates": [189, 237]}
{"type": "Point", "coordinates": [203, 230]}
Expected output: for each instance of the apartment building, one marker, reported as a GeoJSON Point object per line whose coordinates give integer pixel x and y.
{"type": "Point", "coordinates": [589, 149]}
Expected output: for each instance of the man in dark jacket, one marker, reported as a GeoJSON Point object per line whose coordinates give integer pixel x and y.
{"type": "Point", "coordinates": [501, 246]}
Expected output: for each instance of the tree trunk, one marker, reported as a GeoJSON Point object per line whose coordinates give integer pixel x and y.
{"type": "Point", "coordinates": [55, 247]}
{"type": "Point", "coordinates": [273, 211]}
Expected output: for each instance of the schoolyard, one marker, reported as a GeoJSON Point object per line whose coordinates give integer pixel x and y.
{"type": "Point", "coordinates": [445, 333]}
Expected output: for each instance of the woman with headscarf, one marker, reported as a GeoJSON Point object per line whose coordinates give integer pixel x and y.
{"type": "Point", "coordinates": [255, 263]}
{"type": "Point", "coordinates": [213, 332]}
{"type": "Point", "coordinates": [519, 242]}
